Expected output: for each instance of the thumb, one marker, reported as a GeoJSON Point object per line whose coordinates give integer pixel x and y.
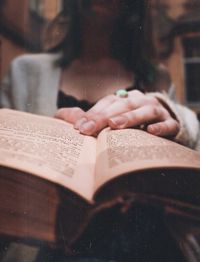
{"type": "Point", "coordinates": [70, 114]}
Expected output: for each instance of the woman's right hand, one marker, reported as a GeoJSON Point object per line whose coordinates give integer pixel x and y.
{"type": "Point", "coordinates": [137, 109]}
{"type": "Point", "coordinates": [118, 113]}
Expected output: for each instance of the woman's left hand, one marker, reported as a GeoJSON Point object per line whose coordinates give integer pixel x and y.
{"type": "Point", "coordinates": [137, 109]}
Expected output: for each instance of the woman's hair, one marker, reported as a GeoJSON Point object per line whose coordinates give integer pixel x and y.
{"type": "Point", "coordinates": [131, 41]}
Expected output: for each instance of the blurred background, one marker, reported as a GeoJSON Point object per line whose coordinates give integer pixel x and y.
{"type": "Point", "coordinates": [176, 34]}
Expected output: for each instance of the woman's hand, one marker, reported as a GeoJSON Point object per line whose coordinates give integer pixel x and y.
{"type": "Point", "coordinates": [137, 109]}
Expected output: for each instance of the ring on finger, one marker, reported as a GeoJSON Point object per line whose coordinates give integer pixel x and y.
{"type": "Point", "coordinates": [123, 93]}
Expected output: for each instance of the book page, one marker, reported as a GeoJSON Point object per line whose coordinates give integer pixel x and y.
{"type": "Point", "coordinates": [49, 148]}
{"type": "Point", "coordinates": [122, 151]}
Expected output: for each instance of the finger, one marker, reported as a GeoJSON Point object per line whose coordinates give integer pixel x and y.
{"type": "Point", "coordinates": [97, 117]}
{"type": "Point", "coordinates": [169, 127]}
{"type": "Point", "coordinates": [113, 105]}
{"type": "Point", "coordinates": [122, 105]}
{"type": "Point", "coordinates": [110, 106]}
{"type": "Point", "coordinates": [96, 121]}
{"type": "Point", "coordinates": [143, 115]}
{"type": "Point", "coordinates": [71, 114]}
{"type": "Point", "coordinates": [96, 109]}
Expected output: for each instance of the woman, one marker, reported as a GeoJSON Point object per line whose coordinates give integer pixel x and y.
{"type": "Point", "coordinates": [105, 49]}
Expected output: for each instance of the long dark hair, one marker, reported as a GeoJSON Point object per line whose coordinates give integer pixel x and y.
{"type": "Point", "coordinates": [131, 41]}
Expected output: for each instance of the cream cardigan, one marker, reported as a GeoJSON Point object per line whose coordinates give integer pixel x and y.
{"type": "Point", "coordinates": [32, 82]}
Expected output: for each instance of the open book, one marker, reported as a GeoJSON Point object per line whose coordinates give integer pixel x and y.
{"type": "Point", "coordinates": [50, 172]}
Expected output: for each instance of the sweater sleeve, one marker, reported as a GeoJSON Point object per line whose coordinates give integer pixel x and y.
{"type": "Point", "coordinates": [5, 92]}
{"type": "Point", "coordinates": [14, 87]}
{"type": "Point", "coordinates": [189, 134]}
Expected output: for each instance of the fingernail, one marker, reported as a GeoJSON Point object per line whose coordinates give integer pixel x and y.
{"type": "Point", "coordinates": [119, 121]}
{"type": "Point", "coordinates": [80, 122]}
{"type": "Point", "coordinates": [88, 127]}
{"type": "Point", "coordinates": [154, 130]}
{"type": "Point", "coordinates": [157, 131]}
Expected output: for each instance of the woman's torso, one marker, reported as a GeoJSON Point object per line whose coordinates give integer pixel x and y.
{"type": "Point", "coordinates": [84, 83]}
